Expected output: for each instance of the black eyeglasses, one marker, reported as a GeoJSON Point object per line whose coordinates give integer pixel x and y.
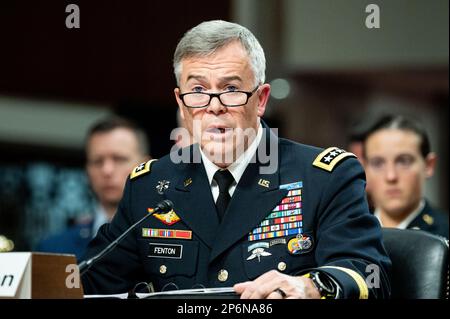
{"type": "Point", "coordinates": [228, 99]}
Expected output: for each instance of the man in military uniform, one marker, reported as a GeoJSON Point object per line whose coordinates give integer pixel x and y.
{"type": "Point", "coordinates": [270, 217]}
{"type": "Point", "coordinates": [398, 161]}
{"type": "Point", "coordinates": [114, 145]}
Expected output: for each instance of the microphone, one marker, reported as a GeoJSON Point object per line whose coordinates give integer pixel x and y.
{"type": "Point", "coordinates": [163, 206]}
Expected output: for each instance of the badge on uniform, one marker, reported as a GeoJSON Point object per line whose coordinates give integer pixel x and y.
{"type": "Point", "coordinates": [162, 186]}
{"type": "Point", "coordinates": [187, 182]}
{"type": "Point", "coordinates": [142, 169]}
{"type": "Point", "coordinates": [257, 251]}
{"type": "Point", "coordinates": [300, 244]}
{"type": "Point", "coordinates": [168, 219]}
{"type": "Point", "coordinates": [331, 157]}
{"type": "Point", "coordinates": [264, 183]}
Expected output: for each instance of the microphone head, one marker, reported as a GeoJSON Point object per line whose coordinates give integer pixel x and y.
{"type": "Point", "coordinates": [165, 205]}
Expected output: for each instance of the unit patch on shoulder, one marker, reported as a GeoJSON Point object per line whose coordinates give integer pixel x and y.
{"type": "Point", "coordinates": [142, 169]}
{"type": "Point", "coordinates": [328, 159]}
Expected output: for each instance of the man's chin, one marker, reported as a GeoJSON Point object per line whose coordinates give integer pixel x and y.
{"type": "Point", "coordinates": [396, 209]}
{"type": "Point", "coordinates": [219, 153]}
{"type": "Point", "coordinates": [112, 200]}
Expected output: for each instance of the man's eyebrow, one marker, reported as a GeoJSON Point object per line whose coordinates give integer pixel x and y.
{"type": "Point", "coordinates": [405, 155]}
{"type": "Point", "coordinates": [195, 77]}
{"type": "Point", "coordinates": [231, 78]}
{"type": "Point", "coordinates": [224, 79]}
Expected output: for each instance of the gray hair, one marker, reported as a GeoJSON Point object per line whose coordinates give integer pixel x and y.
{"type": "Point", "coordinates": [207, 37]}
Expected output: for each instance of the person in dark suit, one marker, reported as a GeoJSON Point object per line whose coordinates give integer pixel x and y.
{"type": "Point", "coordinates": [73, 240]}
{"type": "Point", "coordinates": [270, 217]}
{"type": "Point", "coordinates": [398, 160]}
{"type": "Point", "coordinates": [114, 146]}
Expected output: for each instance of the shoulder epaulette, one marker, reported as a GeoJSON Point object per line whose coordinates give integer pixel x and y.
{"type": "Point", "coordinates": [142, 169]}
{"type": "Point", "coordinates": [330, 157]}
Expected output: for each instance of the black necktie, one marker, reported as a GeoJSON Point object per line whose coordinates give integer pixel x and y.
{"type": "Point", "coordinates": [224, 179]}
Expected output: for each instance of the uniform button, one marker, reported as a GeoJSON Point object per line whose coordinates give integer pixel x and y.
{"type": "Point", "coordinates": [281, 266]}
{"type": "Point", "coordinates": [428, 219]}
{"type": "Point", "coordinates": [162, 269]}
{"type": "Point", "coordinates": [223, 275]}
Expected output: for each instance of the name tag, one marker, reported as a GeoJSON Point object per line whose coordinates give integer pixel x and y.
{"type": "Point", "coordinates": [165, 251]}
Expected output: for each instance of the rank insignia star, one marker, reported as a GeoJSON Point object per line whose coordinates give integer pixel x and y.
{"type": "Point", "coordinates": [328, 158]}
{"type": "Point", "coordinates": [162, 186]}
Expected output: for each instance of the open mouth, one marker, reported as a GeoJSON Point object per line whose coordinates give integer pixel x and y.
{"type": "Point", "coordinates": [218, 130]}
{"type": "Point", "coordinates": [218, 134]}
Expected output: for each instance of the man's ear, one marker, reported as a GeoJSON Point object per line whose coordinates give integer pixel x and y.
{"type": "Point", "coordinates": [430, 164]}
{"type": "Point", "coordinates": [263, 98]}
{"type": "Point", "coordinates": [176, 92]}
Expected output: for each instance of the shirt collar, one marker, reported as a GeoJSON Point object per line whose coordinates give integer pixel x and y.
{"type": "Point", "coordinates": [238, 167]}
{"type": "Point", "coordinates": [405, 222]}
{"type": "Point", "coordinates": [100, 218]}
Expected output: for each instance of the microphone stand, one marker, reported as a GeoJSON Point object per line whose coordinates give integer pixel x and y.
{"type": "Point", "coordinates": [165, 205]}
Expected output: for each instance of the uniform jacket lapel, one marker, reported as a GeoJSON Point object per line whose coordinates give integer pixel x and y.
{"type": "Point", "coordinates": [193, 200]}
{"type": "Point", "coordinates": [419, 221]}
{"type": "Point", "coordinates": [254, 198]}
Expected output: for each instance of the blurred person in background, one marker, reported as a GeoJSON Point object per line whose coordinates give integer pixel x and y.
{"type": "Point", "coordinates": [398, 160]}
{"type": "Point", "coordinates": [114, 146]}
{"type": "Point", "coordinates": [355, 145]}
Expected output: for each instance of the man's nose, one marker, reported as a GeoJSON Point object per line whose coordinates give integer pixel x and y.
{"type": "Point", "coordinates": [215, 106]}
{"type": "Point", "coordinates": [107, 167]}
{"type": "Point", "coordinates": [391, 173]}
